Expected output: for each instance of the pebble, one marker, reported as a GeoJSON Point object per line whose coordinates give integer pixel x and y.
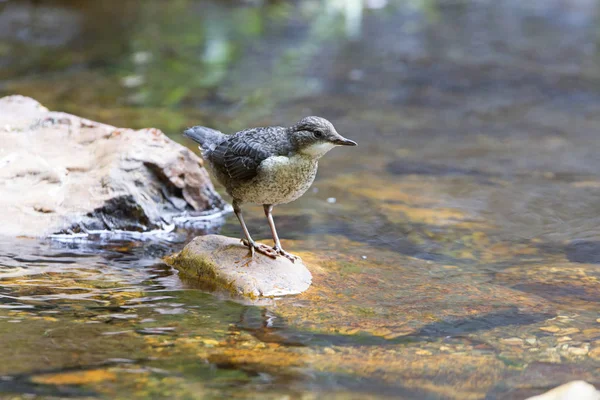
{"type": "Point", "coordinates": [552, 356]}
{"type": "Point", "coordinates": [578, 351]}
{"type": "Point", "coordinates": [564, 318]}
{"type": "Point", "coordinates": [564, 339]}
{"type": "Point", "coordinates": [331, 200]}
{"type": "Point", "coordinates": [328, 350]}
{"type": "Point", "coordinates": [551, 329]}
{"type": "Point", "coordinates": [210, 342]}
{"type": "Point", "coordinates": [423, 352]}
{"type": "Point", "coordinates": [531, 341]}
{"type": "Point", "coordinates": [591, 332]}
{"type": "Point", "coordinates": [514, 341]}
{"type": "Point", "coordinates": [595, 353]}
{"type": "Point", "coordinates": [569, 331]}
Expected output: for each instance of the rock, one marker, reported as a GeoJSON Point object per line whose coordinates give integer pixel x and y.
{"type": "Point", "coordinates": [595, 353]}
{"type": "Point", "coordinates": [60, 173]}
{"type": "Point", "coordinates": [220, 262]}
{"type": "Point", "coordinates": [579, 390]}
{"type": "Point", "coordinates": [551, 328]}
{"type": "Point", "coordinates": [579, 351]}
{"type": "Point", "coordinates": [514, 341]}
{"type": "Point", "coordinates": [569, 331]}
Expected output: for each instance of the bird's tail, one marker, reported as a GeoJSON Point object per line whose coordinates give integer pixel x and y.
{"type": "Point", "coordinates": [207, 138]}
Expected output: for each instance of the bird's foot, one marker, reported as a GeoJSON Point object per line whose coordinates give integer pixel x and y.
{"type": "Point", "coordinates": [293, 258]}
{"type": "Point", "coordinates": [260, 248]}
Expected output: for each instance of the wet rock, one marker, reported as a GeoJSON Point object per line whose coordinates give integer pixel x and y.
{"type": "Point", "coordinates": [60, 174]}
{"type": "Point", "coordinates": [219, 262]}
{"type": "Point", "coordinates": [579, 390]}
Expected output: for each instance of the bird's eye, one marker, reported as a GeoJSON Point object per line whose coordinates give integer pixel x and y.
{"type": "Point", "coordinates": [318, 134]}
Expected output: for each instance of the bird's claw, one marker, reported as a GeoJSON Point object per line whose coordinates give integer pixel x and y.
{"type": "Point", "coordinates": [260, 248]}
{"type": "Point", "coordinates": [293, 258]}
{"type": "Point", "coordinates": [266, 250]}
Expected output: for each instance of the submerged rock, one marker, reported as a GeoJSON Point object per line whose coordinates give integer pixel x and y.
{"type": "Point", "coordinates": [60, 174]}
{"type": "Point", "coordinates": [220, 262]}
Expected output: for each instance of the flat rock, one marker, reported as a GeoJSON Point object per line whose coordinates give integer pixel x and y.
{"type": "Point", "coordinates": [220, 262]}
{"type": "Point", "coordinates": [61, 174]}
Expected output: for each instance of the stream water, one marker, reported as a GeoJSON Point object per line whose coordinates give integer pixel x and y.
{"type": "Point", "coordinates": [455, 251]}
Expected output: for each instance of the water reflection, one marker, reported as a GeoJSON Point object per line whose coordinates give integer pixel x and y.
{"type": "Point", "coordinates": [49, 273]}
{"type": "Point", "coordinates": [199, 54]}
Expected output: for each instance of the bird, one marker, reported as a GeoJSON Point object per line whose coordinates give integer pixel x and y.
{"type": "Point", "coordinates": [267, 166]}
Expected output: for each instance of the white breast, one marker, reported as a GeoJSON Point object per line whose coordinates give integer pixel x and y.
{"type": "Point", "coordinates": [280, 180]}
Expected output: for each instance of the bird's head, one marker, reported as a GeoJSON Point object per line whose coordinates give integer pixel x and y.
{"type": "Point", "coordinates": [315, 136]}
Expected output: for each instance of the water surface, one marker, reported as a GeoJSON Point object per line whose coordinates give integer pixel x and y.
{"type": "Point", "coordinates": [455, 252]}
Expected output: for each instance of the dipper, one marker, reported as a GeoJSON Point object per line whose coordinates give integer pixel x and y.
{"type": "Point", "coordinates": [268, 165]}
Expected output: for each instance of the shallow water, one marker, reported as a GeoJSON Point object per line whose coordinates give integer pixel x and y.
{"type": "Point", "coordinates": [455, 252]}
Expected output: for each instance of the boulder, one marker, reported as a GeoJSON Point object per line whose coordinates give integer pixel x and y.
{"type": "Point", "coordinates": [221, 263]}
{"type": "Point", "coordinates": [62, 174]}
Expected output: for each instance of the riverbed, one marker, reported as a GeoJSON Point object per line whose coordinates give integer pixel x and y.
{"type": "Point", "coordinates": [455, 251]}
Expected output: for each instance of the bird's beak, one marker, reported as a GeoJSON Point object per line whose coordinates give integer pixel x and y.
{"type": "Point", "coordinates": [342, 141]}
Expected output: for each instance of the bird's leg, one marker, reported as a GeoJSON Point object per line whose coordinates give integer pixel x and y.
{"type": "Point", "coordinates": [252, 245]}
{"type": "Point", "coordinates": [269, 214]}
